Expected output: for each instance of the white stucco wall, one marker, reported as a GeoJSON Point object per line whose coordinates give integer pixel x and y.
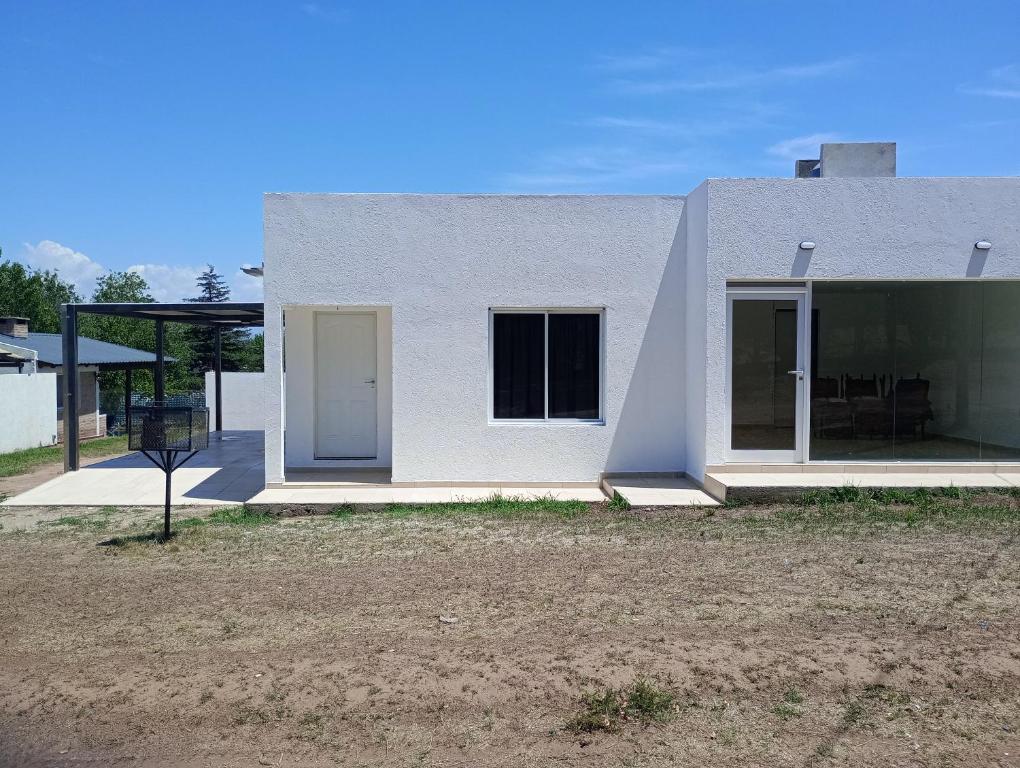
{"type": "Point", "coordinates": [440, 262]}
{"type": "Point", "coordinates": [244, 399]}
{"type": "Point", "coordinates": [29, 411]}
{"type": "Point", "coordinates": [694, 228]}
{"type": "Point", "coordinates": [864, 228]}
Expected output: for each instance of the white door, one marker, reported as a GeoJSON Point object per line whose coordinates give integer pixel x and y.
{"type": "Point", "coordinates": [767, 357]}
{"type": "Point", "coordinates": [345, 385]}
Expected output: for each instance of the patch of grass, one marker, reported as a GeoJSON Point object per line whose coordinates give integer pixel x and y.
{"type": "Point", "coordinates": [855, 713]}
{"type": "Point", "coordinates": [241, 515]}
{"type": "Point", "coordinates": [20, 462]}
{"type": "Point", "coordinates": [618, 503]}
{"type": "Point", "coordinates": [793, 696]}
{"type": "Point", "coordinates": [183, 531]}
{"type": "Point", "coordinates": [787, 711]}
{"type": "Point", "coordinates": [855, 494]}
{"type": "Point", "coordinates": [95, 522]}
{"type": "Point", "coordinates": [343, 512]}
{"type": "Point", "coordinates": [80, 521]}
{"type": "Point", "coordinates": [608, 710]}
{"type": "Point", "coordinates": [858, 712]}
{"type": "Point", "coordinates": [853, 507]}
{"type": "Point", "coordinates": [497, 505]}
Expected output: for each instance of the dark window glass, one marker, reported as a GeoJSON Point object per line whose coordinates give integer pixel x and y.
{"type": "Point", "coordinates": [573, 366]}
{"type": "Point", "coordinates": [853, 371]}
{"type": "Point", "coordinates": [916, 371]}
{"type": "Point", "coordinates": [764, 402]}
{"type": "Point", "coordinates": [1000, 372]}
{"type": "Point", "coordinates": [518, 366]}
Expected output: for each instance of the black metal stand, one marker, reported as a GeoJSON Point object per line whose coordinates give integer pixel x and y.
{"type": "Point", "coordinates": [168, 462]}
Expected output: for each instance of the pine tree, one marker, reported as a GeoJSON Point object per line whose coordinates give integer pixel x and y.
{"type": "Point", "coordinates": [212, 287]}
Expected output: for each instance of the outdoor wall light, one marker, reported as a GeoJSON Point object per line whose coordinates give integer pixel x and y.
{"type": "Point", "coordinates": [982, 245]}
{"type": "Point", "coordinates": [807, 245]}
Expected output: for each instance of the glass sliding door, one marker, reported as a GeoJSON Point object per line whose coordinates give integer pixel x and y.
{"type": "Point", "coordinates": [766, 375]}
{"type": "Point", "coordinates": [915, 371]}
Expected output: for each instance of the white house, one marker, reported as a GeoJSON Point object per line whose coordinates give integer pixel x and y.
{"type": "Point", "coordinates": [845, 316]}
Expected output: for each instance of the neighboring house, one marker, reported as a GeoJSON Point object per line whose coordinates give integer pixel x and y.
{"type": "Point", "coordinates": [842, 317]}
{"type": "Point", "coordinates": [22, 350]}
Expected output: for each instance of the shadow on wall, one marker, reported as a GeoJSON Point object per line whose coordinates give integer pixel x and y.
{"type": "Point", "coordinates": [649, 434]}
{"type": "Point", "coordinates": [801, 263]}
{"type": "Point", "coordinates": [976, 265]}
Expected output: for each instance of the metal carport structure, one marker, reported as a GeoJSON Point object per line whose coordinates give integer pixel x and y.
{"type": "Point", "coordinates": [216, 315]}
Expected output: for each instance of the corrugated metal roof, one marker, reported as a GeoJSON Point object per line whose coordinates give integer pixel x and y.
{"type": "Point", "coordinates": [90, 351]}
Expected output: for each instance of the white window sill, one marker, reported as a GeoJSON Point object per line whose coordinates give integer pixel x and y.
{"type": "Point", "coordinates": [547, 422]}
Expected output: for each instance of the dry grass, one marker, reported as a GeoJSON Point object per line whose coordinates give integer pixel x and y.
{"type": "Point", "coordinates": [845, 632]}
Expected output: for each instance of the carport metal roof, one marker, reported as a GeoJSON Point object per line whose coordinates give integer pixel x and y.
{"type": "Point", "coordinates": [214, 314]}
{"type": "Point", "coordinates": [223, 314]}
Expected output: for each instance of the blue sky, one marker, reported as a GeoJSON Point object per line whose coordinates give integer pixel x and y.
{"type": "Point", "coordinates": [142, 134]}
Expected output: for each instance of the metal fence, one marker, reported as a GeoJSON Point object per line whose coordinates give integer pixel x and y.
{"type": "Point", "coordinates": [113, 406]}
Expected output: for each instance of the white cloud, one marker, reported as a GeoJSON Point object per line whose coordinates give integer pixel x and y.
{"type": "Point", "coordinates": [593, 167]}
{"type": "Point", "coordinates": [1000, 83]}
{"type": "Point", "coordinates": [324, 12]}
{"type": "Point", "coordinates": [802, 147]}
{"type": "Point", "coordinates": [657, 58]}
{"type": "Point", "coordinates": [177, 283]}
{"type": "Point", "coordinates": [72, 266]}
{"type": "Point", "coordinates": [166, 282]}
{"type": "Point", "coordinates": [688, 130]}
{"type": "Point", "coordinates": [245, 287]}
{"type": "Point", "coordinates": [719, 79]}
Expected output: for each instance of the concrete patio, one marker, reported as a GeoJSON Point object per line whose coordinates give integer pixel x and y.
{"type": "Point", "coordinates": [232, 471]}
{"type": "Point", "coordinates": [229, 472]}
{"type": "Point", "coordinates": [658, 491]}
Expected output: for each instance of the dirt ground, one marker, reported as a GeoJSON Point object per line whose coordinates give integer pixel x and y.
{"type": "Point", "coordinates": [317, 641]}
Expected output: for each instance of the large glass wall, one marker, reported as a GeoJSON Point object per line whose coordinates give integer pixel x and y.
{"type": "Point", "coordinates": [915, 371]}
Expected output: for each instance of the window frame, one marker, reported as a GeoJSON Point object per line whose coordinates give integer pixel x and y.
{"type": "Point", "coordinates": [545, 312]}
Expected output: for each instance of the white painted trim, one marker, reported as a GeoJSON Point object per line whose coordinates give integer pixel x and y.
{"type": "Point", "coordinates": [764, 293]}
{"type": "Point", "coordinates": [545, 312]}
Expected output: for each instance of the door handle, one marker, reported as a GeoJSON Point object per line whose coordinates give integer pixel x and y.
{"type": "Point", "coordinates": [370, 381]}
{"type": "Point", "coordinates": [798, 373]}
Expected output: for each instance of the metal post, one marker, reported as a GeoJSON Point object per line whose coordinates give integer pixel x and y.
{"type": "Point", "coordinates": [127, 401]}
{"type": "Point", "coordinates": [160, 383]}
{"type": "Point", "coordinates": [218, 369]}
{"type": "Point", "coordinates": [69, 328]}
{"type": "Point", "coordinates": [168, 461]}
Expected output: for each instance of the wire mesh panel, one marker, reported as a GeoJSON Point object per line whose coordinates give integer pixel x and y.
{"type": "Point", "coordinates": [169, 428]}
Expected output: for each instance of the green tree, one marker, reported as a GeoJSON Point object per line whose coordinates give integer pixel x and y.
{"type": "Point", "coordinates": [253, 353]}
{"type": "Point", "coordinates": [233, 341]}
{"type": "Point", "coordinates": [35, 294]}
{"type": "Point", "coordinates": [130, 287]}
